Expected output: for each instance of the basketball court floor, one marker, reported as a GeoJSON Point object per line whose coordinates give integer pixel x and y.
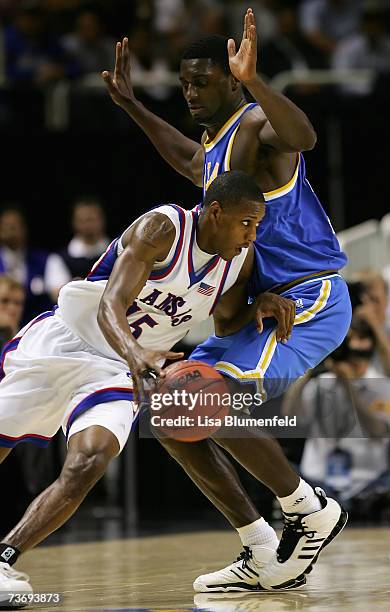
{"type": "Point", "coordinates": [156, 573]}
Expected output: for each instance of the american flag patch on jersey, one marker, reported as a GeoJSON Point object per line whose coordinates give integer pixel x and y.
{"type": "Point", "coordinates": [205, 289]}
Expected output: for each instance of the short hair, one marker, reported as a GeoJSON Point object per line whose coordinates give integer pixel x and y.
{"type": "Point", "coordinates": [11, 207]}
{"type": "Point", "coordinates": [11, 284]}
{"type": "Point", "coordinates": [87, 200]}
{"type": "Point", "coordinates": [212, 47]}
{"type": "Point", "coordinates": [230, 188]}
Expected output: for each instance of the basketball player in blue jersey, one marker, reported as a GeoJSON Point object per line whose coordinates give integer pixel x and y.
{"type": "Point", "coordinates": [76, 366]}
{"type": "Point", "coordinates": [297, 256]}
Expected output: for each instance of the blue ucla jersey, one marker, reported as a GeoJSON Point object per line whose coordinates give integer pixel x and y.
{"type": "Point", "coordinates": [295, 238]}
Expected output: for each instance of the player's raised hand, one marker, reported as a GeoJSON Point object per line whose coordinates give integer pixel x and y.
{"type": "Point", "coordinates": [243, 62]}
{"type": "Point", "coordinates": [282, 309]}
{"type": "Point", "coordinates": [119, 83]}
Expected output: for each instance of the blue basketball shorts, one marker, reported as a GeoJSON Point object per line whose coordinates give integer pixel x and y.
{"type": "Point", "coordinates": [323, 317]}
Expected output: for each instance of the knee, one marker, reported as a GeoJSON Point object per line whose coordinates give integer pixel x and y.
{"type": "Point", "coordinates": [82, 470]}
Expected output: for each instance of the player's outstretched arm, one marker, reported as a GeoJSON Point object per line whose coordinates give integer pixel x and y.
{"type": "Point", "coordinates": [228, 314]}
{"type": "Point", "coordinates": [287, 127]}
{"type": "Point", "coordinates": [182, 153]}
{"type": "Point", "coordinates": [147, 241]}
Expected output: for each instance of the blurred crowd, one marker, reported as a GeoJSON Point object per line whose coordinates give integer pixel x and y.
{"type": "Point", "coordinates": [344, 408]}
{"type": "Point", "coordinates": [30, 278]}
{"type": "Point", "coordinates": [47, 40]}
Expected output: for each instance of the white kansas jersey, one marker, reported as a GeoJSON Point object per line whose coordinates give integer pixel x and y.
{"type": "Point", "coordinates": [176, 295]}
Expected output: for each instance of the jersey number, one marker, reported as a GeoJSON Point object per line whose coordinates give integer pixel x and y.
{"type": "Point", "coordinates": [135, 326]}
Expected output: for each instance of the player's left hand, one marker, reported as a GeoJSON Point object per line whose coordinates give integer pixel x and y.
{"type": "Point", "coordinates": [282, 309]}
{"type": "Point", "coordinates": [243, 62]}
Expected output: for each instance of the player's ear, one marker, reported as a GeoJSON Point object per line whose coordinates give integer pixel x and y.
{"type": "Point", "coordinates": [215, 210]}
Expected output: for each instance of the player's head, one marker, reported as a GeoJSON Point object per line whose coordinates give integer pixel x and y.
{"type": "Point", "coordinates": [233, 208]}
{"type": "Point", "coordinates": [208, 86]}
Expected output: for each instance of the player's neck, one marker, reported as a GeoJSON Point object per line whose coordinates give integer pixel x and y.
{"type": "Point", "coordinates": [223, 117]}
{"type": "Point", "coordinates": [203, 238]}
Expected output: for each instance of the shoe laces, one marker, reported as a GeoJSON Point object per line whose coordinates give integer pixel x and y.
{"type": "Point", "coordinates": [245, 556]}
{"type": "Point", "coordinates": [9, 572]}
{"type": "Point", "coordinates": [294, 528]}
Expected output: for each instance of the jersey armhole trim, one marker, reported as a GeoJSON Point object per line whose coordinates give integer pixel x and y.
{"type": "Point", "coordinates": [163, 272]}
{"type": "Point", "coordinates": [281, 191]}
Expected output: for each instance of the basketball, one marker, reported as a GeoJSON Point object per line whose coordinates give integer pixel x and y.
{"type": "Point", "coordinates": [192, 401]}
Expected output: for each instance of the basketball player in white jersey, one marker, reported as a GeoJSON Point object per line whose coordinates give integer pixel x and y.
{"type": "Point", "coordinates": [71, 367]}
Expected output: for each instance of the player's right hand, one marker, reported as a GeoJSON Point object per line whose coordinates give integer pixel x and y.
{"type": "Point", "coordinates": [119, 84]}
{"type": "Point", "coordinates": [143, 361]}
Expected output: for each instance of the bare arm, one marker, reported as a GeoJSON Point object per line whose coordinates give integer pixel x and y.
{"type": "Point", "coordinates": [228, 315]}
{"type": "Point", "coordinates": [233, 310]}
{"type": "Point", "coordinates": [287, 127]}
{"type": "Point", "coordinates": [182, 153]}
{"type": "Point", "coordinates": [147, 241]}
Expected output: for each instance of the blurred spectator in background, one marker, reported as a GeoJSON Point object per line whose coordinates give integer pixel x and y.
{"type": "Point", "coordinates": [326, 22]}
{"type": "Point", "coordinates": [143, 49]}
{"type": "Point", "coordinates": [373, 308]}
{"type": "Point", "coordinates": [88, 44]}
{"type": "Point", "coordinates": [288, 48]}
{"type": "Point", "coordinates": [176, 23]}
{"type": "Point", "coordinates": [368, 48]}
{"type": "Point", "coordinates": [32, 54]}
{"type": "Point", "coordinates": [26, 265]}
{"type": "Point", "coordinates": [346, 414]}
{"type": "Point", "coordinates": [265, 18]}
{"type": "Point", "coordinates": [12, 298]}
{"type": "Point", "coordinates": [86, 246]}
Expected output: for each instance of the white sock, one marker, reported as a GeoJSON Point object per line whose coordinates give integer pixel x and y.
{"type": "Point", "coordinates": [258, 533]}
{"type": "Point", "coordinates": [302, 501]}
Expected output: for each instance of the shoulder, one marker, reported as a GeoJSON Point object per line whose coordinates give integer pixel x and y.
{"type": "Point", "coordinates": [255, 118]}
{"type": "Point", "coordinates": [151, 227]}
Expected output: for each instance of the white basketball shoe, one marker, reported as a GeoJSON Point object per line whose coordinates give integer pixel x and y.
{"type": "Point", "coordinates": [242, 574]}
{"type": "Point", "coordinates": [12, 581]}
{"type": "Point", "coordinates": [304, 537]}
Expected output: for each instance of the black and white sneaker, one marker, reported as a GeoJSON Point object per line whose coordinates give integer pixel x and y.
{"type": "Point", "coordinates": [242, 574]}
{"type": "Point", "coordinates": [12, 583]}
{"type": "Point", "coordinates": [304, 537]}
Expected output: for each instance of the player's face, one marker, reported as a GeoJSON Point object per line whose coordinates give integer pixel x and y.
{"type": "Point", "coordinates": [236, 228]}
{"type": "Point", "coordinates": [207, 90]}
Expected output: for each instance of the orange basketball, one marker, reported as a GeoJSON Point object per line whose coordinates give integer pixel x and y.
{"type": "Point", "coordinates": [191, 403]}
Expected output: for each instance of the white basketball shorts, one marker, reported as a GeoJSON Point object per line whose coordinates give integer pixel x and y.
{"type": "Point", "coordinates": [51, 378]}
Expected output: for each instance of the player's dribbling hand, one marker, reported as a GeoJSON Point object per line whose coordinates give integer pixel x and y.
{"type": "Point", "coordinates": [143, 361]}
{"type": "Point", "coordinates": [282, 309]}
{"type": "Point", "coordinates": [119, 84]}
{"type": "Point", "coordinates": [243, 62]}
